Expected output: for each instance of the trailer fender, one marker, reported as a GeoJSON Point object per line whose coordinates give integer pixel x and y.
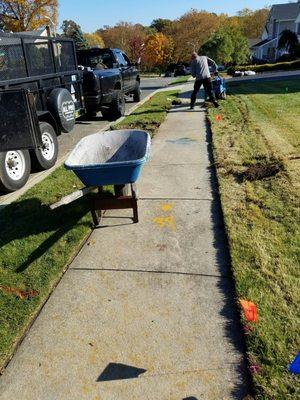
{"type": "Point", "coordinates": [46, 116]}
{"type": "Point", "coordinates": [62, 107]}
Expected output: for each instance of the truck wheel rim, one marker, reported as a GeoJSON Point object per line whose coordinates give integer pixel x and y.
{"type": "Point", "coordinates": [15, 165]}
{"type": "Point", "coordinates": [48, 148]}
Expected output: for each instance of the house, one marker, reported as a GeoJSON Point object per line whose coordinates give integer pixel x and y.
{"type": "Point", "coordinates": [281, 17]}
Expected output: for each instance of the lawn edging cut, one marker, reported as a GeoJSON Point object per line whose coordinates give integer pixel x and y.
{"type": "Point", "coordinates": [255, 139]}
{"type": "Point", "coordinates": [37, 244]}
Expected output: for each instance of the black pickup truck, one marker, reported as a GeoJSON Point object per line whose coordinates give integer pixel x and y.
{"type": "Point", "coordinates": [108, 76]}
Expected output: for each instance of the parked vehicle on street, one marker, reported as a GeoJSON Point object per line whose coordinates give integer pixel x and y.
{"type": "Point", "coordinates": [181, 70]}
{"type": "Point", "coordinates": [108, 76]}
{"type": "Point", "coordinates": [40, 97]}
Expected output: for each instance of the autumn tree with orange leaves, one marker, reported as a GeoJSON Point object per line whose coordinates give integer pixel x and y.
{"type": "Point", "coordinates": [159, 51]}
{"type": "Point", "coordinates": [26, 15]}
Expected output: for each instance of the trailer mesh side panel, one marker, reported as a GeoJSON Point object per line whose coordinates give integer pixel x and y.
{"type": "Point", "coordinates": [12, 62]}
{"type": "Point", "coordinates": [64, 56]}
{"type": "Point", "coordinates": [39, 57]}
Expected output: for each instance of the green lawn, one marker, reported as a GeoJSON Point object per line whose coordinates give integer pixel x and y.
{"type": "Point", "coordinates": [150, 115]}
{"type": "Point", "coordinates": [182, 79]}
{"type": "Point", "coordinates": [37, 243]}
{"type": "Point", "coordinates": [256, 148]}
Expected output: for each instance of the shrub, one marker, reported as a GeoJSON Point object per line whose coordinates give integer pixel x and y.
{"type": "Point", "coordinates": [283, 66]}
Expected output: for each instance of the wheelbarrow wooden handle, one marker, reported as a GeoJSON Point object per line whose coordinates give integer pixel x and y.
{"type": "Point", "coordinates": [72, 197]}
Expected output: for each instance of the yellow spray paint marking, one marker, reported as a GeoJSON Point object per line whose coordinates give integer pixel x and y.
{"type": "Point", "coordinates": [165, 222]}
{"type": "Point", "coordinates": [166, 207]}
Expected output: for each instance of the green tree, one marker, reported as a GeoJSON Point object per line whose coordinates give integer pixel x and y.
{"type": "Point", "coordinates": [73, 31]}
{"type": "Point", "coordinates": [162, 25]}
{"type": "Point", "coordinates": [227, 45]}
{"type": "Point", "coordinates": [289, 41]}
{"type": "Point", "coordinates": [219, 47]}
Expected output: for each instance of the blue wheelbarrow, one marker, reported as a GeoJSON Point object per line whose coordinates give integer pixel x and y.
{"type": "Point", "coordinates": [109, 158]}
{"type": "Point", "coordinates": [219, 87]}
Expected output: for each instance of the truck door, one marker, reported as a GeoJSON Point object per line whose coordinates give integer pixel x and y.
{"type": "Point", "coordinates": [125, 70]}
{"type": "Point", "coordinates": [132, 72]}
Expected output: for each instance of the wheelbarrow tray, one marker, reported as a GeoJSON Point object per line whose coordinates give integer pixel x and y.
{"type": "Point", "coordinates": [110, 158]}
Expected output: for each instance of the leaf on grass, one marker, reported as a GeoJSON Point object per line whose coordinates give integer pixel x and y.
{"type": "Point", "coordinates": [22, 294]}
{"type": "Point", "coordinates": [250, 310]}
{"type": "Point", "coordinates": [255, 369]}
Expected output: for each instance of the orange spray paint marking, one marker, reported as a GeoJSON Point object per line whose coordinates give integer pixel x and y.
{"type": "Point", "coordinates": [165, 222]}
{"type": "Point", "coordinates": [166, 207]}
{"type": "Point", "coordinates": [250, 310]}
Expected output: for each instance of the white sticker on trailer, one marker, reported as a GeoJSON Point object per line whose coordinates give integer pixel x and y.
{"type": "Point", "coordinates": [74, 78]}
{"type": "Point", "coordinates": [72, 89]}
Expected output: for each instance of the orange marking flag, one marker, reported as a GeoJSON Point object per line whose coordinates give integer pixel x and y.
{"type": "Point", "coordinates": [218, 118]}
{"type": "Point", "coordinates": [250, 310]}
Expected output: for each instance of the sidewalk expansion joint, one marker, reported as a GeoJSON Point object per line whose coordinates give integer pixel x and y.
{"type": "Point", "coordinates": [141, 271]}
{"type": "Point", "coordinates": [174, 198]}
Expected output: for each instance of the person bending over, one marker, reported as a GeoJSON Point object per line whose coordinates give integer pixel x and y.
{"type": "Point", "coordinates": [200, 71]}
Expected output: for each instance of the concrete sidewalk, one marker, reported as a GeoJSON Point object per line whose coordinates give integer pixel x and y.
{"type": "Point", "coordinates": [146, 311]}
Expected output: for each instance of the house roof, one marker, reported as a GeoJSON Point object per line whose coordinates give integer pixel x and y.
{"type": "Point", "coordinates": [263, 42]}
{"type": "Point", "coordinates": [253, 42]}
{"type": "Point", "coordinates": [285, 11]}
{"type": "Point", "coordinates": [38, 32]}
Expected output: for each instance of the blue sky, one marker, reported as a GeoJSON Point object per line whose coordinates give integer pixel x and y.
{"type": "Point", "coordinates": [93, 14]}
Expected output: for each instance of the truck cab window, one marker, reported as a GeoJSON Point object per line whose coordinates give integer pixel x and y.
{"type": "Point", "coordinates": [121, 60]}
{"type": "Point", "coordinates": [126, 59]}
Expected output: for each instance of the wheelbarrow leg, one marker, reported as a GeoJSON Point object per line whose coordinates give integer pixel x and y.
{"type": "Point", "coordinates": [134, 203]}
{"type": "Point", "coordinates": [96, 214]}
{"type": "Point", "coordinates": [96, 219]}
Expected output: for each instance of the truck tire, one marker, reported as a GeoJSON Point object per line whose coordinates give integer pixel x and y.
{"type": "Point", "coordinates": [105, 113]}
{"type": "Point", "coordinates": [62, 106]}
{"type": "Point", "coordinates": [90, 114]}
{"type": "Point", "coordinates": [14, 170]}
{"type": "Point", "coordinates": [137, 93]}
{"type": "Point", "coordinates": [45, 157]}
{"type": "Point", "coordinates": [117, 107]}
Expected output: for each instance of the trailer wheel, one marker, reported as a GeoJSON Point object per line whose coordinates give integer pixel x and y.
{"type": "Point", "coordinates": [117, 108]}
{"type": "Point", "coordinates": [45, 157]}
{"type": "Point", "coordinates": [14, 169]}
{"type": "Point", "coordinates": [137, 93]}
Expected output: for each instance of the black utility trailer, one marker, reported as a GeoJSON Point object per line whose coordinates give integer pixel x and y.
{"type": "Point", "coordinates": [40, 97]}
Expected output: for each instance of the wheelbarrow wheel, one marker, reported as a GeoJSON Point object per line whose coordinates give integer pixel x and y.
{"type": "Point", "coordinates": [121, 190]}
